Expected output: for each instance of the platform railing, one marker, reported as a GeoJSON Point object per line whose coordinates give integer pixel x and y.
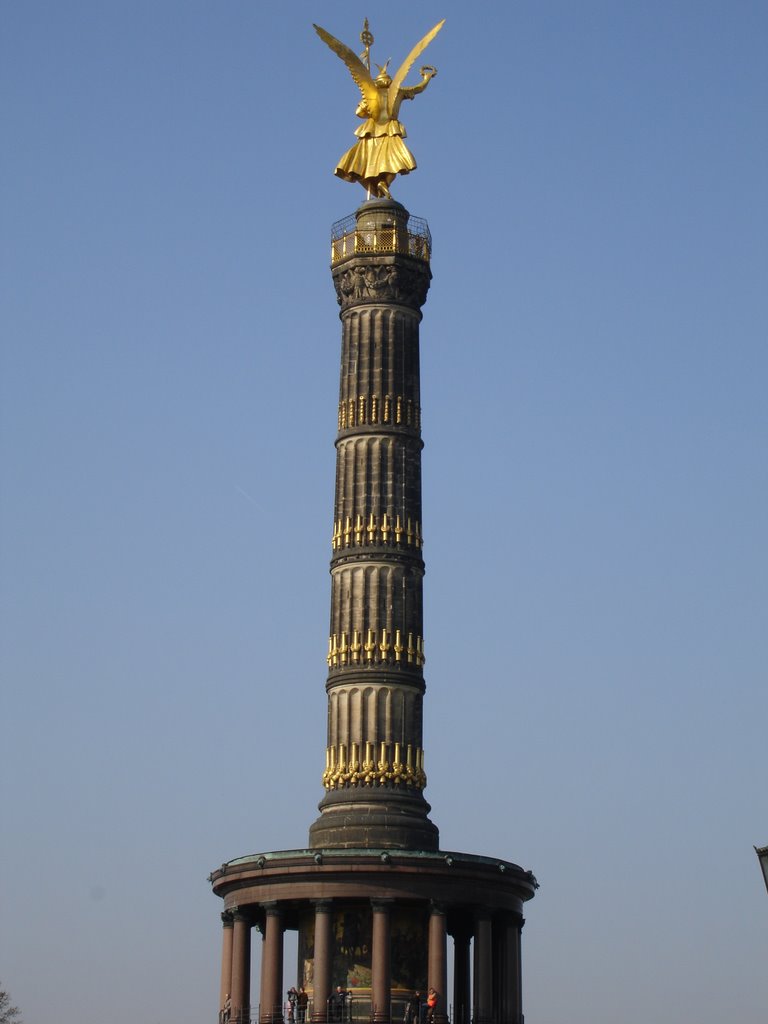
{"type": "Point", "coordinates": [356, 1010]}
{"type": "Point", "coordinates": [347, 239]}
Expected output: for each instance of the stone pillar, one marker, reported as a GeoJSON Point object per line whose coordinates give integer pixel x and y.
{"type": "Point", "coordinates": [381, 975]}
{"type": "Point", "coordinates": [507, 942]}
{"type": "Point", "coordinates": [376, 641]}
{"type": "Point", "coordinates": [514, 968]}
{"type": "Point", "coordinates": [499, 970]}
{"type": "Point", "coordinates": [323, 961]}
{"type": "Point", "coordinates": [226, 957]}
{"type": "Point", "coordinates": [461, 993]}
{"type": "Point", "coordinates": [270, 1000]}
{"type": "Point", "coordinates": [241, 967]}
{"type": "Point", "coordinates": [437, 972]}
{"type": "Point", "coordinates": [483, 975]}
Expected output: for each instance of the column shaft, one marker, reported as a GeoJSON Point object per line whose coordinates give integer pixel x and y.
{"type": "Point", "coordinates": [270, 1000]}
{"type": "Point", "coordinates": [323, 962]}
{"type": "Point", "coordinates": [226, 958]}
{"type": "Point", "coordinates": [511, 984]}
{"type": "Point", "coordinates": [461, 995]}
{"type": "Point", "coordinates": [381, 977]}
{"type": "Point", "coordinates": [437, 972]}
{"type": "Point", "coordinates": [241, 968]}
{"type": "Point", "coordinates": [482, 994]}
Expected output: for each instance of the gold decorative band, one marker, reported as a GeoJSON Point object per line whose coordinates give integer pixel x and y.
{"type": "Point", "coordinates": [341, 771]}
{"type": "Point", "coordinates": [376, 530]}
{"type": "Point", "coordinates": [347, 241]}
{"type": "Point", "coordinates": [379, 648]}
{"type": "Point", "coordinates": [366, 410]}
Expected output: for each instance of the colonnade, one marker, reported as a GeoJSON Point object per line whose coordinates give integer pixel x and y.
{"type": "Point", "coordinates": [485, 991]}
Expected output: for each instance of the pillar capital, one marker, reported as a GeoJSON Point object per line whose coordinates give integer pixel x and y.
{"type": "Point", "coordinates": [324, 906]}
{"type": "Point", "coordinates": [227, 919]}
{"type": "Point", "coordinates": [381, 905]}
{"type": "Point", "coordinates": [272, 908]}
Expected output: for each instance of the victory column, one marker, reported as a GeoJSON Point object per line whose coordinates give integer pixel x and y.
{"type": "Point", "coordinates": [372, 896]}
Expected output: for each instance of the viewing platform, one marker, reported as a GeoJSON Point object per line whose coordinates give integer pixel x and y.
{"type": "Point", "coordinates": [379, 234]}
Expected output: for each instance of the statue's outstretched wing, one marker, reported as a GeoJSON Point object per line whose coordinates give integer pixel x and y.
{"type": "Point", "coordinates": [357, 69]}
{"type": "Point", "coordinates": [405, 67]}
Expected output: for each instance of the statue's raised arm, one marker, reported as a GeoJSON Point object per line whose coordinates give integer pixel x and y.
{"type": "Point", "coordinates": [380, 153]}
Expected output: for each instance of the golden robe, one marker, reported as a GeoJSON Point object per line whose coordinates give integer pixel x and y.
{"type": "Point", "coordinates": [380, 155]}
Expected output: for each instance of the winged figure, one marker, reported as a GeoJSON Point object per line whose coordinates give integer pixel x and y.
{"type": "Point", "coordinates": [380, 154]}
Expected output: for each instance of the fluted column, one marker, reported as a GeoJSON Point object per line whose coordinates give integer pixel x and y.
{"type": "Point", "coordinates": [437, 967]}
{"type": "Point", "coordinates": [374, 774]}
{"type": "Point", "coordinates": [483, 975]}
{"type": "Point", "coordinates": [323, 961]}
{"type": "Point", "coordinates": [270, 1000]}
{"type": "Point", "coordinates": [381, 977]}
{"type": "Point", "coordinates": [227, 931]}
{"type": "Point", "coordinates": [461, 990]}
{"type": "Point", "coordinates": [241, 967]}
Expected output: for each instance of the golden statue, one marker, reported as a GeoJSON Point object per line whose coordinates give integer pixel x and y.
{"type": "Point", "coordinates": [380, 154]}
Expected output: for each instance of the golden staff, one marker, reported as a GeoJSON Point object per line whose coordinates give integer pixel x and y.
{"type": "Point", "coordinates": [366, 38]}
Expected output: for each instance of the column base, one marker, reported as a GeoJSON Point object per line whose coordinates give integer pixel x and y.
{"type": "Point", "coordinates": [275, 1017]}
{"type": "Point", "coordinates": [373, 821]}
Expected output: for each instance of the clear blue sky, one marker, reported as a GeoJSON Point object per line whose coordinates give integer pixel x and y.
{"type": "Point", "coordinates": [595, 417]}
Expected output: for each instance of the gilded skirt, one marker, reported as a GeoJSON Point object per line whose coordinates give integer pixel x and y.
{"type": "Point", "coordinates": [376, 158]}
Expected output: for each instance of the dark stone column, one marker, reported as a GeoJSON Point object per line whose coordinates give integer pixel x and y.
{"type": "Point", "coordinates": [226, 957]}
{"type": "Point", "coordinates": [437, 969]}
{"type": "Point", "coordinates": [375, 777]}
{"type": "Point", "coordinates": [483, 974]}
{"type": "Point", "coordinates": [500, 1009]}
{"type": "Point", "coordinates": [461, 994]}
{"type": "Point", "coordinates": [514, 971]}
{"type": "Point", "coordinates": [270, 1000]}
{"type": "Point", "coordinates": [507, 938]}
{"type": "Point", "coordinates": [381, 976]}
{"type": "Point", "coordinates": [323, 961]}
{"type": "Point", "coordinates": [241, 967]}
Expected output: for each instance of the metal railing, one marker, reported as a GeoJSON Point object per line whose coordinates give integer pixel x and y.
{"type": "Point", "coordinates": [349, 240]}
{"type": "Point", "coordinates": [355, 1010]}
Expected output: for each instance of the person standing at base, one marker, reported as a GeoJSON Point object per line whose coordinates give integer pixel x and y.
{"type": "Point", "coordinates": [413, 1009]}
{"type": "Point", "coordinates": [431, 1005]}
{"type": "Point", "coordinates": [302, 1002]}
{"type": "Point", "coordinates": [290, 1006]}
{"type": "Point", "coordinates": [342, 997]}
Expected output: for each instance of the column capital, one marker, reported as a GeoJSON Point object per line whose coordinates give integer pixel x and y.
{"type": "Point", "coordinates": [462, 935]}
{"type": "Point", "coordinates": [381, 904]}
{"type": "Point", "coordinates": [514, 919]}
{"type": "Point", "coordinates": [435, 908]}
{"type": "Point", "coordinates": [227, 919]}
{"type": "Point", "coordinates": [272, 909]}
{"type": "Point", "coordinates": [367, 280]}
{"type": "Point", "coordinates": [242, 915]}
{"type": "Point", "coordinates": [324, 906]}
